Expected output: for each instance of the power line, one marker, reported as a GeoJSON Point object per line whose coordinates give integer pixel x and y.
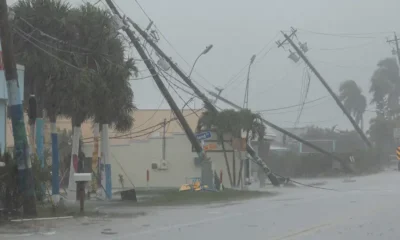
{"type": "Point", "coordinates": [342, 66]}
{"type": "Point", "coordinates": [312, 122]}
{"type": "Point", "coordinates": [347, 47]}
{"type": "Point", "coordinates": [307, 81]}
{"type": "Point", "coordinates": [124, 136]}
{"type": "Point", "coordinates": [170, 44]}
{"type": "Point", "coordinates": [235, 77]}
{"type": "Point", "coordinates": [48, 53]}
{"type": "Point", "coordinates": [44, 34]}
{"type": "Point", "coordinates": [280, 80]}
{"type": "Point", "coordinates": [291, 106]}
{"type": "Point", "coordinates": [28, 38]}
{"type": "Point", "coordinates": [344, 35]}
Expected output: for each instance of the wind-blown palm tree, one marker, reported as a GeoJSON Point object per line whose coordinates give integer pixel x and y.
{"type": "Point", "coordinates": [109, 92]}
{"type": "Point", "coordinates": [45, 77]}
{"type": "Point", "coordinates": [381, 134]}
{"type": "Point", "coordinates": [232, 122]}
{"type": "Point", "coordinates": [385, 88]}
{"type": "Point", "coordinates": [353, 100]}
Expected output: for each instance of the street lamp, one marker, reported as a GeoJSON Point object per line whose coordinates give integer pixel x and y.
{"type": "Point", "coordinates": [205, 51]}
{"type": "Point", "coordinates": [246, 94]}
{"type": "Point", "coordinates": [208, 48]}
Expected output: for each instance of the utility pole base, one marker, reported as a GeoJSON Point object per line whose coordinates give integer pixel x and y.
{"type": "Point", "coordinates": [207, 174]}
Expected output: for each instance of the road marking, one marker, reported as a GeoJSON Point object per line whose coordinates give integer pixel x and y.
{"type": "Point", "coordinates": [184, 225]}
{"type": "Point", "coordinates": [303, 231]}
{"type": "Point", "coordinates": [335, 221]}
{"type": "Point", "coordinates": [206, 220]}
{"type": "Point", "coordinates": [227, 216]}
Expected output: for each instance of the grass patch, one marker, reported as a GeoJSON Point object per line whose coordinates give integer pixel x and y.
{"type": "Point", "coordinates": [173, 197]}
{"type": "Point", "coordinates": [151, 198]}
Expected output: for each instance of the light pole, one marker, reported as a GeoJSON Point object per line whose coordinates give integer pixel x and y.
{"type": "Point", "coordinates": [208, 48]}
{"type": "Point", "coordinates": [205, 51]}
{"type": "Point", "coordinates": [246, 94]}
{"type": "Point", "coordinates": [246, 162]}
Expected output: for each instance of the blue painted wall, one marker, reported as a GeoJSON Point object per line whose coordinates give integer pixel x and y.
{"type": "Point", "coordinates": [3, 125]}
{"type": "Point", "coordinates": [3, 102]}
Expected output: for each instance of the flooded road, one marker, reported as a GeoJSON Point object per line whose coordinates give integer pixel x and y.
{"type": "Point", "coordinates": [358, 208]}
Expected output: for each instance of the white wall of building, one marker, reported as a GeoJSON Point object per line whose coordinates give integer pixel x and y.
{"type": "Point", "coordinates": [136, 158]}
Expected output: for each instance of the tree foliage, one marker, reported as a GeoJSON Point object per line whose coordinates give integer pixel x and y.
{"type": "Point", "coordinates": [385, 87]}
{"type": "Point", "coordinates": [231, 121]}
{"type": "Point", "coordinates": [36, 21]}
{"type": "Point", "coordinates": [353, 99]}
{"type": "Point", "coordinates": [74, 61]}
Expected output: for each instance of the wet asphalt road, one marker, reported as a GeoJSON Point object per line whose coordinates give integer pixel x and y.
{"type": "Point", "coordinates": [366, 208]}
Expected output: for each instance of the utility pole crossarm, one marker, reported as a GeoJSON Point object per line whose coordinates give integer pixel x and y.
{"type": "Point", "coordinates": [322, 80]}
{"type": "Point", "coordinates": [396, 42]}
{"type": "Point", "coordinates": [305, 142]}
{"type": "Point", "coordinates": [189, 132]}
{"type": "Point", "coordinates": [281, 43]}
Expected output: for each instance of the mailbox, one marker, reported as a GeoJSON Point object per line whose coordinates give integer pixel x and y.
{"type": "Point", "coordinates": [82, 177]}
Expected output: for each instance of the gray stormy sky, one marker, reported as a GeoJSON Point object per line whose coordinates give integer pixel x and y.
{"type": "Point", "coordinates": [238, 29]}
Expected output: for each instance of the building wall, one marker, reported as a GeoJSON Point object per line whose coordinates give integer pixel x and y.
{"type": "Point", "coordinates": [136, 157]}
{"type": "Point", "coordinates": [3, 103]}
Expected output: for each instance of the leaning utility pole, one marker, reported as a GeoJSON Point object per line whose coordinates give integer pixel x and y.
{"type": "Point", "coordinates": [206, 101]}
{"type": "Point", "coordinates": [322, 80]}
{"type": "Point", "coordinates": [189, 132]}
{"type": "Point", "coordinates": [395, 40]}
{"type": "Point", "coordinates": [21, 153]}
{"type": "Point", "coordinates": [307, 143]}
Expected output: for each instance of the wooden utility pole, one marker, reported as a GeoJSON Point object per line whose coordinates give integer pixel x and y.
{"type": "Point", "coordinates": [305, 142]}
{"type": "Point", "coordinates": [159, 82]}
{"type": "Point", "coordinates": [203, 97]}
{"type": "Point", "coordinates": [395, 40]}
{"type": "Point", "coordinates": [21, 146]}
{"type": "Point", "coordinates": [189, 132]}
{"type": "Point", "coordinates": [331, 92]}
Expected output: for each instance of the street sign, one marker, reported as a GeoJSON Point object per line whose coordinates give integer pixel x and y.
{"type": "Point", "coordinates": [203, 135]}
{"type": "Point", "coordinates": [398, 153]}
{"type": "Point", "coordinates": [211, 146]}
{"type": "Point", "coordinates": [396, 132]}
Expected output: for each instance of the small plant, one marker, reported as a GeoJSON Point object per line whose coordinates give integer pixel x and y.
{"type": "Point", "coordinates": [121, 180]}
{"type": "Point", "coordinates": [10, 198]}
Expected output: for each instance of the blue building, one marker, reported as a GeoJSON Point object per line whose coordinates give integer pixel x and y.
{"type": "Point", "coordinates": [3, 103]}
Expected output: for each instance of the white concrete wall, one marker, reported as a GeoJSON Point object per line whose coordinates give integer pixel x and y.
{"type": "Point", "coordinates": [136, 157]}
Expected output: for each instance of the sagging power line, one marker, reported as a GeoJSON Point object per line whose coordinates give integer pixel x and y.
{"type": "Point", "coordinates": [300, 54]}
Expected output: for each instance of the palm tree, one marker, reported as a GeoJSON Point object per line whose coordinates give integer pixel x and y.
{"type": "Point", "coordinates": [385, 87]}
{"type": "Point", "coordinates": [210, 120]}
{"type": "Point", "coordinates": [381, 134]}
{"type": "Point", "coordinates": [232, 122]}
{"type": "Point", "coordinates": [35, 21]}
{"type": "Point", "coordinates": [109, 95]}
{"type": "Point", "coordinates": [114, 106]}
{"type": "Point", "coordinates": [353, 100]}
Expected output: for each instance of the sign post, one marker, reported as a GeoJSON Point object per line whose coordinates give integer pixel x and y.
{"type": "Point", "coordinates": [398, 157]}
